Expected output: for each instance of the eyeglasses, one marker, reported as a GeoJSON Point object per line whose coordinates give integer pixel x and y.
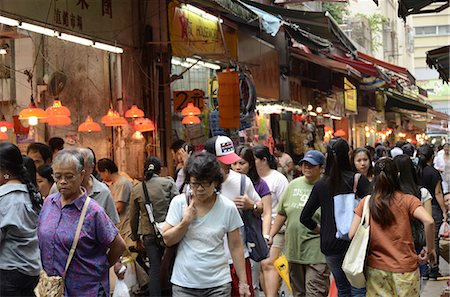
{"type": "Point", "coordinates": [204, 185]}
{"type": "Point", "coordinates": [67, 177]}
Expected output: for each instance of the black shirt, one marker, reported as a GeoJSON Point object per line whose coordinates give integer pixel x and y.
{"type": "Point", "coordinates": [321, 196]}
{"type": "Point", "coordinates": [430, 178]}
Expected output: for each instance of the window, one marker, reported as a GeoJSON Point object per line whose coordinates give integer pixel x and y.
{"type": "Point", "coordinates": [431, 30]}
{"type": "Point", "coordinates": [444, 30]}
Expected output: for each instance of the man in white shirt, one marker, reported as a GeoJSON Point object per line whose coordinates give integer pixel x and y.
{"type": "Point", "coordinates": [285, 162]}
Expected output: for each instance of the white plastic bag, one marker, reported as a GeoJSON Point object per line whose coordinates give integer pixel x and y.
{"type": "Point", "coordinates": [444, 230]}
{"type": "Point", "coordinates": [121, 289]}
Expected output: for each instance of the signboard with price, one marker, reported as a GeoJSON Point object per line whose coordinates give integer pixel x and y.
{"type": "Point", "coordinates": [182, 98]}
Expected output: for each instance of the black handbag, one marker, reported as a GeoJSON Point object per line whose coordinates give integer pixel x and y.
{"type": "Point", "coordinates": [256, 243]}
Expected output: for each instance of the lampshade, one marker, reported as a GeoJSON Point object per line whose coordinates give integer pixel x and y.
{"type": "Point", "coordinates": [113, 119]}
{"type": "Point", "coordinates": [3, 136]}
{"type": "Point", "coordinates": [57, 109]}
{"type": "Point", "coordinates": [339, 133]}
{"type": "Point", "coordinates": [134, 112]}
{"type": "Point", "coordinates": [4, 125]}
{"type": "Point", "coordinates": [190, 120]}
{"type": "Point", "coordinates": [59, 121]}
{"type": "Point", "coordinates": [144, 125]}
{"type": "Point", "coordinates": [32, 112]}
{"type": "Point", "coordinates": [108, 117]}
{"type": "Point", "coordinates": [89, 126]}
{"type": "Point", "coordinates": [190, 110]}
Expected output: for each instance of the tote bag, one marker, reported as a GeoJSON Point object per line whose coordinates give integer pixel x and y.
{"type": "Point", "coordinates": [344, 204]}
{"type": "Point", "coordinates": [355, 258]}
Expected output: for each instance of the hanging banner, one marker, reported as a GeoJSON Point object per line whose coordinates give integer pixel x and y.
{"type": "Point", "coordinates": [350, 96]}
{"type": "Point", "coordinates": [194, 34]}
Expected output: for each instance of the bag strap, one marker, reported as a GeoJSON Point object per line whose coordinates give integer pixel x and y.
{"type": "Point", "coordinates": [366, 212]}
{"type": "Point", "coordinates": [77, 234]}
{"type": "Point", "coordinates": [151, 218]}
{"type": "Point", "coordinates": [242, 190]}
{"type": "Point", "coordinates": [355, 182]}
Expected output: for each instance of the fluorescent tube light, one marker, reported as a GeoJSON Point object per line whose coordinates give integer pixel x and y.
{"type": "Point", "coordinates": [107, 47]}
{"type": "Point", "coordinates": [8, 21]}
{"type": "Point", "coordinates": [204, 64]}
{"type": "Point", "coordinates": [76, 39]}
{"type": "Point", "coordinates": [38, 29]}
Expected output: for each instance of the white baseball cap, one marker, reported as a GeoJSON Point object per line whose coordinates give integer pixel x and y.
{"type": "Point", "coordinates": [222, 147]}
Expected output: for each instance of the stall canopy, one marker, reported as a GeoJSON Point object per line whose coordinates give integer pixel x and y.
{"type": "Point", "coordinates": [320, 24]}
{"type": "Point", "coordinates": [408, 7]}
{"type": "Point", "coordinates": [439, 59]}
{"type": "Point", "coordinates": [232, 9]}
{"type": "Point", "coordinates": [397, 100]}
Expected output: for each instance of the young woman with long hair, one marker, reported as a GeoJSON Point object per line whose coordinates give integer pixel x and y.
{"type": "Point", "coordinates": [361, 162]}
{"type": "Point", "coordinates": [338, 179]}
{"type": "Point", "coordinates": [392, 262]}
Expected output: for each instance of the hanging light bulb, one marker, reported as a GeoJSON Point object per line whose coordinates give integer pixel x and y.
{"type": "Point", "coordinates": [137, 135]}
{"type": "Point", "coordinates": [5, 125]}
{"type": "Point", "coordinates": [318, 109]}
{"type": "Point", "coordinates": [134, 112]}
{"type": "Point", "coordinates": [190, 110]}
{"type": "Point", "coordinates": [89, 126]}
{"type": "Point", "coordinates": [190, 120]}
{"type": "Point", "coordinates": [3, 136]}
{"type": "Point", "coordinates": [310, 107]}
{"type": "Point", "coordinates": [33, 121]}
{"type": "Point", "coordinates": [32, 112]}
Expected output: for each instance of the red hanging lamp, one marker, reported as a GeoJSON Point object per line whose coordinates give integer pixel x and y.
{"type": "Point", "coordinates": [190, 110]}
{"type": "Point", "coordinates": [57, 109]}
{"type": "Point", "coordinates": [134, 112]}
{"type": "Point", "coordinates": [89, 126]}
{"type": "Point", "coordinates": [5, 125]}
{"type": "Point", "coordinates": [59, 121]}
{"type": "Point", "coordinates": [144, 125]}
{"type": "Point", "coordinates": [190, 120]}
{"type": "Point", "coordinates": [3, 136]}
{"type": "Point", "coordinates": [32, 113]}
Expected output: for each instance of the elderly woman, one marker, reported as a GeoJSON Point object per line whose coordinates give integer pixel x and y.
{"type": "Point", "coordinates": [20, 204]}
{"type": "Point", "coordinates": [99, 245]}
{"type": "Point", "coordinates": [198, 222]}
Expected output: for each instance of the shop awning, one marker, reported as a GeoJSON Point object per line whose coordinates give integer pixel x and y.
{"type": "Point", "coordinates": [436, 116]}
{"type": "Point", "coordinates": [324, 62]}
{"type": "Point", "coordinates": [233, 9]}
{"type": "Point", "coordinates": [364, 67]}
{"type": "Point", "coordinates": [439, 59]}
{"type": "Point", "coordinates": [408, 7]}
{"type": "Point", "coordinates": [319, 24]}
{"type": "Point", "coordinates": [402, 71]}
{"type": "Point", "coordinates": [399, 101]}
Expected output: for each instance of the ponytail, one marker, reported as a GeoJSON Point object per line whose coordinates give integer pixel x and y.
{"type": "Point", "coordinates": [151, 166]}
{"type": "Point", "coordinates": [272, 162]}
{"type": "Point", "coordinates": [35, 196]}
{"type": "Point", "coordinates": [150, 171]}
{"type": "Point", "coordinates": [385, 186]}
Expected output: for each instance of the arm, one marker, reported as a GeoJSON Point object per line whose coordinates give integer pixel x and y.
{"type": "Point", "coordinates": [354, 226]}
{"type": "Point", "coordinates": [267, 214]}
{"type": "Point", "coordinates": [121, 207]}
{"type": "Point", "coordinates": [308, 211]}
{"type": "Point", "coordinates": [173, 234]}
{"type": "Point", "coordinates": [290, 166]}
{"type": "Point", "coordinates": [427, 206]}
{"type": "Point", "coordinates": [116, 248]}
{"type": "Point", "coordinates": [440, 199]}
{"type": "Point", "coordinates": [276, 226]}
{"type": "Point", "coordinates": [134, 216]}
{"type": "Point", "coordinates": [237, 254]}
{"type": "Point", "coordinates": [428, 223]}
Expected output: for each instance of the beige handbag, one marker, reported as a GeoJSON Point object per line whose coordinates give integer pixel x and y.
{"type": "Point", "coordinates": [53, 286]}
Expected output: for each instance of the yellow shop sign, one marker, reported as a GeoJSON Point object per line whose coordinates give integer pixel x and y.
{"type": "Point", "coordinates": [350, 96]}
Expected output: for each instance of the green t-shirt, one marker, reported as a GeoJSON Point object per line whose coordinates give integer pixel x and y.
{"type": "Point", "coordinates": [302, 245]}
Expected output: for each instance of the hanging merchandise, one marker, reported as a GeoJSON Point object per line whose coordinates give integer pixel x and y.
{"type": "Point", "coordinates": [214, 124]}
{"type": "Point", "coordinates": [229, 99]}
{"type": "Point", "coordinates": [248, 101]}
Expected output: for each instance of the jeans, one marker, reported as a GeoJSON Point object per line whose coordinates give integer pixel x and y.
{"type": "Point", "coordinates": [437, 216]}
{"type": "Point", "coordinates": [342, 284]}
{"type": "Point", "coordinates": [154, 253]}
{"type": "Point", "coordinates": [15, 283]}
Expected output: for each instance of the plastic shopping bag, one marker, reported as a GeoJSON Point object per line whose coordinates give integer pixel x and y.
{"type": "Point", "coordinates": [444, 230]}
{"type": "Point", "coordinates": [121, 289]}
{"type": "Point", "coordinates": [281, 265]}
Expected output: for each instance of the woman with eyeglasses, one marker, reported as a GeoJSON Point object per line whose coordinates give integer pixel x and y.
{"type": "Point", "coordinates": [198, 222]}
{"type": "Point", "coordinates": [99, 246]}
{"type": "Point", "coordinates": [20, 203]}
{"type": "Point", "coordinates": [160, 191]}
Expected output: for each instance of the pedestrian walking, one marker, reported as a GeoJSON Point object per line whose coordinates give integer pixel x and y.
{"type": "Point", "coordinates": [99, 246]}
{"type": "Point", "coordinates": [160, 191]}
{"type": "Point", "coordinates": [198, 222]}
{"type": "Point", "coordinates": [392, 262]}
{"type": "Point", "coordinates": [337, 183]}
{"type": "Point", "coordinates": [308, 272]}
{"type": "Point", "coordinates": [20, 203]}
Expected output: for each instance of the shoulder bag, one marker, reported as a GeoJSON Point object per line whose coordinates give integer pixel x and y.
{"type": "Point", "coordinates": [256, 243]}
{"type": "Point", "coordinates": [149, 207]}
{"type": "Point", "coordinates": [53, 286]}
{"type": "Point", "coordinates": [355, 258]}
{"type": "Point", "coordinates": [344, 204]}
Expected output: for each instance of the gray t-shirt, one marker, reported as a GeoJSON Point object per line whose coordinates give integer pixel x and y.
{"type": "Point", "coordinates": [19, 247]}
{"type": "Point", "coordinates": [200, 261]}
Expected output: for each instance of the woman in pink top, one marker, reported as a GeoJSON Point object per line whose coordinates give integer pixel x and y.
{"type": "Point", "coordinates": [392, 263]}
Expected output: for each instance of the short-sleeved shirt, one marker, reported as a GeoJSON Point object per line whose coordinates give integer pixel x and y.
{"type": "Point", "coordinates": [391, 248]}
{"type": "Point", "coordinates": [430, 178]}
{"type": "Point", "coordinates": [277, 183]}
{"type": "Point", "coordinates": [200, 261]}
{"type": "Point", "coordinates": [302, 244]}
{"type": "Point", "coordinates": [231, 188]}
{"type": "Point", "coordinates": [89, 268]}
{"type": "Point", "coordinates": [19, 247]}
{"type": "Point", "coordinates": [261, 188]}
{"type": "Point", "coordinates": [121, 192]}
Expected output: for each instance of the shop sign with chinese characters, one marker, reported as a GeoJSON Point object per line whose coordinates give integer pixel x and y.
{"type": "Point", "coordinates": [350, 96]}
{"type": "Point", "coordinates": [103, 20]}
{"type": "Point", "coordinates": [182, 98]}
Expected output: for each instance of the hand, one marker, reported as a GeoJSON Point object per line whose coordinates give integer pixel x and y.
{"type": "Point", "coordinates": [243, 202]}
{"type": "Point", "coordinates": [269, 242]}
{"type": "Point", "coordinates": [189, 213]}
{"type": "Point", "coordinates": [432, 259]}
{"type": "Point", "coordinates": [445, 216]}
{"type": "Point", "coordinates": [183, 155]}
{"type": "Point", "coordinates": [447, 201]}
{"type": "Point", "coordinates": [119, 271]}
{"type": "Point", "coordinates": [244, 290]}
{"type": "Point", "coordinates": [422, 257]}
{"type": "Point", "coordinates": [138, 245]}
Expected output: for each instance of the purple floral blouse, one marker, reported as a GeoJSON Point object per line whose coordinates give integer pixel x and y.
{"type": "Point", "coordinates": [89, 268]}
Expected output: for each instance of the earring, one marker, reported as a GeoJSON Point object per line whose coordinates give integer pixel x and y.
{"type": "Point", "coordinates": [6, 176]}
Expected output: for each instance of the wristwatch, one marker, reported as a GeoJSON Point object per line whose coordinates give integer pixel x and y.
{"type": "Point", "coordinates": [255, 207]}
{"type": "Point", "coordinates": [266, 237]}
